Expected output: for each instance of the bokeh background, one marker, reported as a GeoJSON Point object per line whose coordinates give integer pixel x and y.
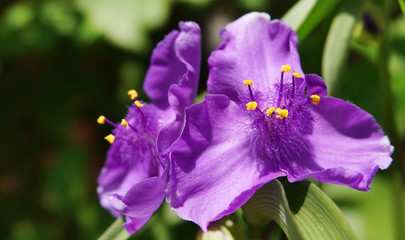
{"type": "Point", "coordinates": [65, 62]}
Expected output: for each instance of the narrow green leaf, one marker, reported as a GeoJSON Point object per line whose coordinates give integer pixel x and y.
{"type": "Point", "coordinates": [317, 215]}
{"type": "Point", "coordinates": [305, 15]}
{"type": "Point", "coordinates": [270, 203]}
{"type": "Point", "coordinates": [308, 214]}
{"type": "Point", "coordinates": [338, 41]}
{"type": "Point", "coordinates": [115, 232]}
{"type": "Point", "coordinates": [402, 5]}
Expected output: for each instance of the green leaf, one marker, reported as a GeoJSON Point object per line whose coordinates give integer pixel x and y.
{"type": "Point", "coordinates": [305, 15]}
{"type": "Point", "coordinates": [402, 5]}
{"type": "Point", "coordinates": [338, 41]}
{"type": "Point", "coordinates": [125, 23]}
{"type": "Point", "coordinates": [270, 203]}
{"type": "Point", "coordinates": [317, 215]}
{"type": "Point", "coordinates": [307, 214]}
{"type": "Point", "coordinates": [115, 232]}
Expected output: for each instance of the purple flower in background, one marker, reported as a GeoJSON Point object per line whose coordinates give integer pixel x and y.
{"type": "Point", "coordinates": [265, 119]}
{"type": "Point", "coordinates": [134, 177]}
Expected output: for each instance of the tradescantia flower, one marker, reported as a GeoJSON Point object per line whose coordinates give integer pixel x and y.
{"type": "Point", "coordinates": [134, 177]}
{"type": "Point", "coordinates": [265, 119]}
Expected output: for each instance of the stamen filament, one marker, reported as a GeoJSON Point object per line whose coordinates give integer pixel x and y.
{"type": "Point", "coordinates": [249, 83]}
{"type": "Point", "coordinates": [295, 75]}
{"type": "Point", "coordinates": [251, 93]}
{"type": "Point", "coordinates": [280, 93]}
{"type": "Point", "coordinates": [102, 119]}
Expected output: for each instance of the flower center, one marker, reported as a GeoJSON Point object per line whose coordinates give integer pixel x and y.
{"type": "Point", "coordinates": [283, 109]}
{"type": "Point", "coordinates": [281, 119]}
{"type": "Point", "coordinates": [135, 140]}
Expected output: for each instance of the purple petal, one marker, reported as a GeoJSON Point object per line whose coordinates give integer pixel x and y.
{"type": "Point", "coordinates": [132, 225]}
{"type": "Point", "coordinates": [133, 155]}
{"type": "Point", "coordinates": [255, 49]}
{"type": "Point", "coordinates": [215, 168]}
{"type": "Point", "coordinates": [315, 85]}
{"type": "Point", "coordinates": [167, 136]}
{"type": "Point", "coordinates": [140, 202]}
{"type": "Point", "coordinates": [117, 179]}
{"type": "Point", "coordinates": [173, 75]}
{"type": "Point", "coordinates": [348, 144]}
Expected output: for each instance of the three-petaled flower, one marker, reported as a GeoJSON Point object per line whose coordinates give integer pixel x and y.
{"type": "Point", "coordinates": [134, 177]}
{"type": "Point", "coordinates": [265, 119]}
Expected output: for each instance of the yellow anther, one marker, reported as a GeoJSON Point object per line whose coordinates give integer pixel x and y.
{"type": "Point", "coordinates": [247, 82]}
{"type": "Point", "coordinates": [316, 99]}
{"type": "Point", "coordinates": [251, 105]}
{"type": "Point", "coordinates": [138, 103]}
{"type": "Point", "coordinates": [124, 123]}
{"type": "Point", "coordinates": [297, 75]}
{"type": "Point", "coordinates": [270, 111]}
{"type": "Point", "coordinates": [286, 68]}
{"type": "Point", "coordinates": [110, 138]}
{"type": "Point", "coordinates": [101, 119]}
{"type": "Point", "coordinates": [282, 113]}
{"type": "Point", "coordinates": [132, 94]}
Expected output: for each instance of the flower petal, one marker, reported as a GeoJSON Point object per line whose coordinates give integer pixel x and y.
{"type": "Point", "coordinates": [167, 136]}
{"type": "Point", "coordinates": [140, 202]}
{"type": "Point", "coordinates": [348, 144]}
{"type": "Point", "coordinates": [133, 156]}
{"type": "Point", "coordinates": [215, 168]}
{"type": "Point", "coordinates": [117, 179]}
{"type": "Point", "coordinates": [315, 85]}
{"type": "Point", "coordinates": [255, 48]}
{"type": "Point", "coordinates": [175, 65]}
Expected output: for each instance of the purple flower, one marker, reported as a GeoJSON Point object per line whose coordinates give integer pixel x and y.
{"type": "Point", "coordinates": [134, 177]}
{"type": "Point", "coordinates": [265, 119]}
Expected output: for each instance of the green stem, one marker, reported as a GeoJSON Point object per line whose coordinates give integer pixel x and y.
{"type": "Point", "coordinates": [115, 231]}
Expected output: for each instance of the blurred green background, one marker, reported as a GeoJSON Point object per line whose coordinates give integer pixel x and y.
{"type": "Point", "coordinates": [63, 63]}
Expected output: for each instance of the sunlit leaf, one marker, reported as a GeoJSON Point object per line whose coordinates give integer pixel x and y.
{"type": "Point", "coordinates": [337, 42]}
{"type": "Point", "coordinates": [125, 22]}
{"type": "Point", "coordinates": [307, 214]}
{"type": "Point", "coordinates": [305, 15]}
{"type": "Point", "coordinates": [402, 5]}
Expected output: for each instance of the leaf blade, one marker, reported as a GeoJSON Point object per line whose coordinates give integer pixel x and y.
{"type": "Point", "coordinates": [338, 42]}
{"type": "Point", "coordinates": [301, 209]}
{"type": "Point", "coordinates": [305, 15]}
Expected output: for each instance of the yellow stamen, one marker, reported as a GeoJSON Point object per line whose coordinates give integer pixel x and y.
{"type": "Point", "coordinates": [316, 99]}
{"type": "Point", "coordinates": [286, 68]}
{"type": "Point", "coordinates": [248, 82]}
{"type": "Point", "coordinates": [138, 103]}
{"type": "Point", "coordinates": [132, 94]}
{"type": "Point", "coordinates": [251, 105]}
{"type": "Point", "coordinates": [297, 75]}
{"type": "Point", "coordinates": [124, 123]}
{"type": "Point", "coordinates": [282, 113]}
{"type": "Point", "coordinates": [270, 111]}
{"type": "Point", "coordinates": [110, 138]}
{"type": "Point", "coordinates": [101, 119]}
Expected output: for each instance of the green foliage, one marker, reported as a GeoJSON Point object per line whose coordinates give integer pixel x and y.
{"type": "Point", "coordinates": [301, 209]}
{"type": "Point", "coordinates": [305, 15]}
{"type": "Point", "coordinates": [338, 42]}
